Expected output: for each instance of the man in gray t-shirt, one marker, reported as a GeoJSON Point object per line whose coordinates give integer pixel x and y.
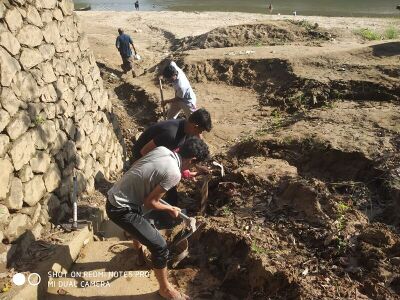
{"type": "Point", "coordinates": [141, 189]}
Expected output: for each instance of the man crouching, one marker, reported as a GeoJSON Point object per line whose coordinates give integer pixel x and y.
{"type": "Point", "coordinates": [140, 190]}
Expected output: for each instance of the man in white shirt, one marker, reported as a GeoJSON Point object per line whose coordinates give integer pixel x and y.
{"type": "Point", "coordinates": [185, 98]}
{"type": "Point", "coordinates": [140, 189]}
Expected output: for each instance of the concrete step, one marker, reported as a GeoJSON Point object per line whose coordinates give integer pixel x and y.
{"type": "Point", "coordinates": [105, 270]}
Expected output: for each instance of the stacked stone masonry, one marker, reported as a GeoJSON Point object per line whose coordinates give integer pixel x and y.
{"type": "Point", "coordinates": [55, 116]}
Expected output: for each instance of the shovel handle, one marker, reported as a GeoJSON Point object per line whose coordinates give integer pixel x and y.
{"type": "Point", "coordinates": [162, 99]}
{"type": "Point", "coordinates": [182, 215]}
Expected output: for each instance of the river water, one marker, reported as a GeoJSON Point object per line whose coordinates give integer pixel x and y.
{"type": "Point", "coordinates": [302, 7]}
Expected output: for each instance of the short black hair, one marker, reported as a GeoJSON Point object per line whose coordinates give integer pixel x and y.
{"type": "Point", "coordinates": [120, 30]}
{"type": "Point", "coordinates": [201, 118]}
{"type": "Point", "coordinates": [169, 71]}
{"type": "Point", "coordinates": [194, 148]}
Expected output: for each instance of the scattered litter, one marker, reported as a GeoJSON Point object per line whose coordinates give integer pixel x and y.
{"type": "Point", "coordinates": [233, 53]}
{"type": "Point", "coordinates": [305, 272]}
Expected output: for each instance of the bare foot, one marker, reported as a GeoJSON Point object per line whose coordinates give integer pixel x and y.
{"type": "Point", "coordinates": [172, 294]}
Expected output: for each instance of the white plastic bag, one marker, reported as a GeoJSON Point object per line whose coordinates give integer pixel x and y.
{"type": "Point", "coordinates": [137, 57]}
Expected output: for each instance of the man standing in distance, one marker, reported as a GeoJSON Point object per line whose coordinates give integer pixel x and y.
{"type": "Point", "coordinates": [185, 98]}
{"type": "Point", "coordinates": [140, 189]}
{"type": "Point", "coordinates": [123, 44]}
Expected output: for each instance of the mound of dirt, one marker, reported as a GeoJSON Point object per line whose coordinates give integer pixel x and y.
{"type": "Point", "coordinates": [277, 33]}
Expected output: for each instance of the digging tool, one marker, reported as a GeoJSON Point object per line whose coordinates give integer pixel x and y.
{"type": "Point", "coordinates": [220, 166]}
{"type": "Point", "coordinates": [162, 99]}
{"type": "Point", "coordinates": [204, 194]}
{"type": "Point", "coordinates": [190, 222]}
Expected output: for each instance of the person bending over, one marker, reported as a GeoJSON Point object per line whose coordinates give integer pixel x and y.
{"type": "Point", "coordinates": [185, 98]}
{"type": "Point", "coordinates": [140, 190]}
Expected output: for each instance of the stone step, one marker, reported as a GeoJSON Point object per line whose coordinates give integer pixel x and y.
{"type": "Point", "coordinates": [105, 270]}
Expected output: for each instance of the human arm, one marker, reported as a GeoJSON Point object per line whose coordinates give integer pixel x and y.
{"type": "Point", "coordinates": [171, 100]}
{"type": "Point", "coordinates": [133, 46]}
{"type": "Point", "coordinates": [117, 43]}
{"type": "Point", "coordinates": [148, 147]}
{"type": "Point", "coordinates": [152, 201]}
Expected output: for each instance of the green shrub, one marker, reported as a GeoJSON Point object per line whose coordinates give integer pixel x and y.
{"type": "Point", "coordinates": [391, 33]}
{"type": "Point", "coordinates": [369, 34]}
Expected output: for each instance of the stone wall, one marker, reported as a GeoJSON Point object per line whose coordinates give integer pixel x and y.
{"type": "Point", "coordinates": [55, 115]}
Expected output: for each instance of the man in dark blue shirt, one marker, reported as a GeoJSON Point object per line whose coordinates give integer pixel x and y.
{"type": "Point", "coordinates": [123, 43]}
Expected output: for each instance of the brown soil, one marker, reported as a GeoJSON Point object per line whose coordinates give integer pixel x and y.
{"type": "Point", "coordinates": [306, 123]}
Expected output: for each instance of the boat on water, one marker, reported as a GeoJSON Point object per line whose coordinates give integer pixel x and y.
{"type": "Point", "coordinates": [82, 6]}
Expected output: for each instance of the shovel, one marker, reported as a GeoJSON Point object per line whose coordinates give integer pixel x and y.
{"type": "Point", "coordinates": [162, 99]}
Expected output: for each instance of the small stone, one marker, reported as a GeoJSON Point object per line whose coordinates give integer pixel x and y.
{"type": "Point", "coordinates": [25, 174]}
{"type": "Point", "coordinates": [9, 66]}
{"type": "Point", "coordinates": [40, 162]}
{"type": "Point", "coordinates": [9, 101]}
{"type": "Point", "coordinates": [4, 119]}
{"type": "Point", "coordinates": [30, 36]}
{"type": "Point", "coordinates": [9, 42]}
{"type": "Point", "coordinates": [52, 178]}
{"type": "Point", "coordinates": [67, 7]}
{"type": "Point", "coordinates": [34, 190]}
{"type": "Point", "coordinates": [4, 214]}
{"type": "Point", "coordinates": [4, 144]}
{"type": "Point", "coordinates": [22, 150]}
{"type": "Point", "coordinates": [47, 4]}
{"type": "Point", "coordinates": [5, 177]}
{"type": "Point", "coordinates": [18, 225]}
{"type": "Point", "coordinates": [2, 10]}
{"type": "Point", "coordinates": [30, 58]}
{"type": "Point", "coordinates": [49, 93]}
{"type": "Point", "coordinates": [18, 125]}
{"type": "Point", "coordinates": [33, 16]}
{"type": "Point", "coordinates": [47, 51]}
{"type": "Point", "coordinates": [57, 14]}
{"type": "Point", "coordinates": [48, 73]}
{"type": "Point", "coordinates": [37, 231]}
{"type": "Point", "coordinates": [27, 86]}
{"type": "Point", "coordinates": [51, 33]}
{"type": "Point", "coordinates": [47, 16]}
{"type": "Point", "coordinates": [13, 19]}
{"type": "Point", "coordinates": [16, 195]}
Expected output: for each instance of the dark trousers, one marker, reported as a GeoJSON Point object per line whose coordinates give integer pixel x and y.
{"type": "Point", "coordinates": [126, 63]}
{"type": "Point", "coordinates": [131, 220]}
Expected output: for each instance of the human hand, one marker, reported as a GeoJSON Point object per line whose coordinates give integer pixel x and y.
{"type": "Point", "coordinates": [174, 211]}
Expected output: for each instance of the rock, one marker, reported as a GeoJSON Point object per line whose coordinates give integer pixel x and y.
{"type": "Point", "coordinates": [83, 43]}
{"type": "Point", "coordinates": [30, 36]}
{"type": "Point", "coordinates": [18, 125]}
{"type": "Point", "coordinates": [4, 119]}
{"type": "Point", "coordinates": [4, 214]}
{"type": "Point", "coordinates": [37, 231]}
{"type": "Point", "coordinates": [70, 128]}
{"type": "Point", "coordinates": [52, 178]}
{"type": "Point", "coordinates": [18, 225]}
{"type": "Point", "coordinates": [87, 124]}
{"type": "Point", "coordinates": [2, 10]}
{"type": "Point", "coordinates": [60, 141]}
{"type": "Point", "coordinates": [33, 17]}
{"type": "Point", "coordinates": [47, 4]}
{"type": "Point", "coordinates": [34, 190]}
{"type": "Point", "coordinates": [36, 213]}
{"type": "Point", "coordinates": [47, 16]}
{"type": "Point", "coordinates": [48, 131]}
{"type": "Point", "coordinates": [87, 80]}
{"type": "Point", "coordinates": [13, 19]}
{"type": "Point", "coordinates": [30, 58]}
{"type": "Point", "coordinates": [4, 144]}
{"type": "Point", "coordinates": [22, 150]}
{"type": "Point", "coordinates": [62, 46]}
{"type": "Point", "coordinates": [9, 42]}
{"type": "Point", "coordinates": [51, 204]}
{"type": "Point", "coordinates": [5, 177]}
{"type": "Point", "coordinates": [40, 162]}
{"type": "Point", "coordinates": [57, 14]}
{"type": "Point", "coordinates": [16, 195]}
{"type": "Point", "coordinates": [27, 86]}
{"type": "Point", "coordinates": [9, 101]}
{"type": "Point", "coordinates": [49, 94]}
{"type": "Point", "coordinates": [60, 66]}
{"type": "Point", "coordinates": [9, 66]}
{"type": "Point", "coordinates": [61, 86]}
{"type": "Point", "coordinates": [48, 73]}
{"type": "Point", "coordinates": [80, 91]}
{"type": "Point", "coordinates": [50, 110]}
{"type": "Point", "coordinates": [47, 51]}
{"type": "Point", "coordinates": [67, 7]}
{"type": "Point", "coordinates": [25, 174]}
{"type": "Point", "coordinates": [51, 33]}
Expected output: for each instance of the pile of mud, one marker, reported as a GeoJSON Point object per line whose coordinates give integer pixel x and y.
{"type": "Point", "coordinates": [278, 33]}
